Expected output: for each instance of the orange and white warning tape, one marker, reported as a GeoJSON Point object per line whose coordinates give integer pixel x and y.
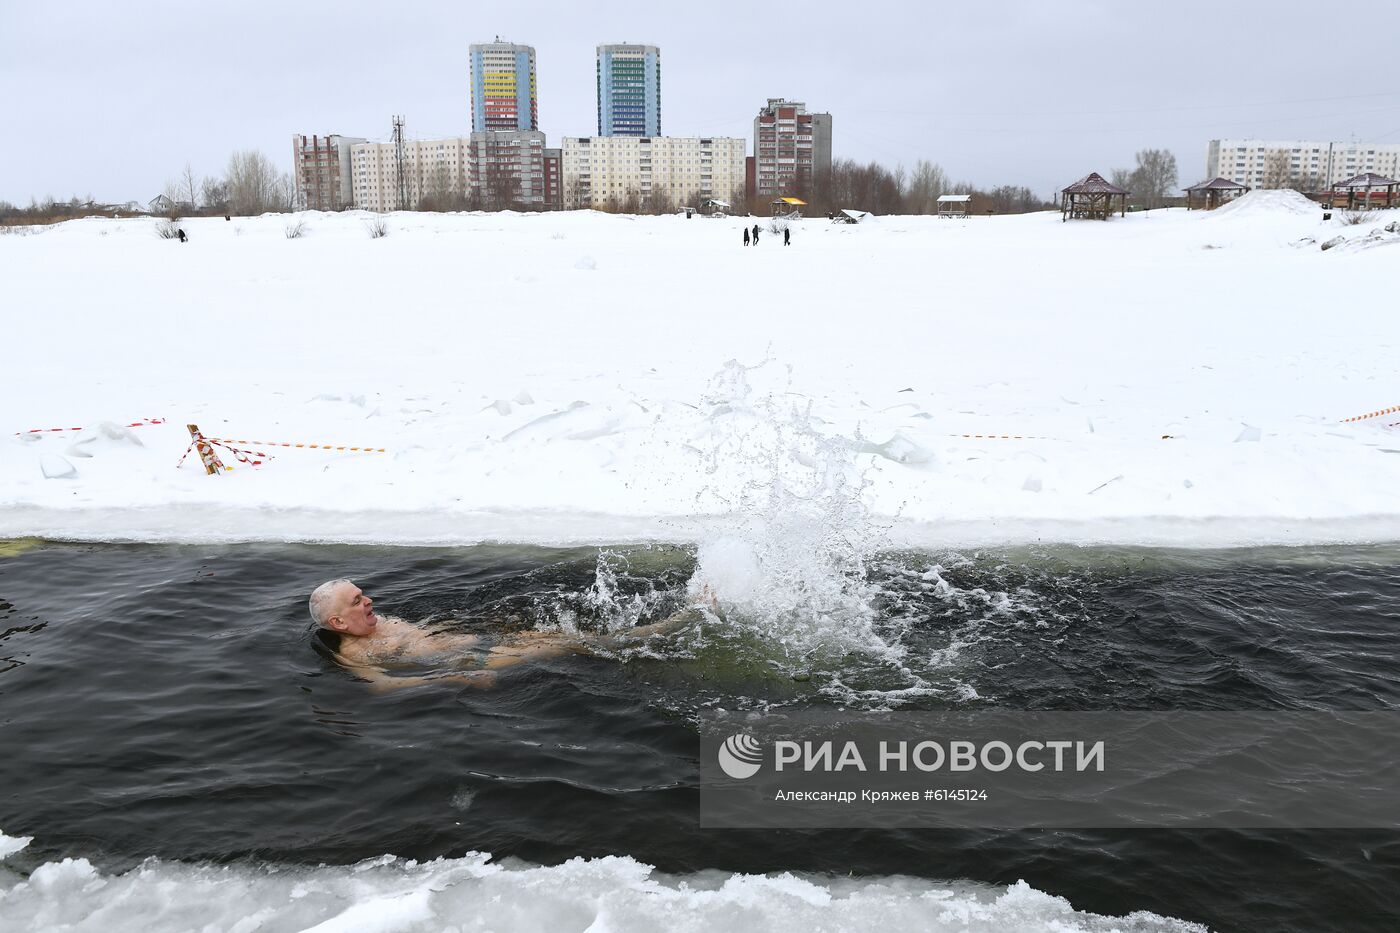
{"type": "Point", "coordinates": [1375, 414]}
{"type": "Point", "coordinates": [364, 450]}
{"type": "Point", "coordinates": [250, 457]}
{"type": "Point", "coordinates": [1003, 437]}
{"type": "Point", "coordinates": [135, 424]}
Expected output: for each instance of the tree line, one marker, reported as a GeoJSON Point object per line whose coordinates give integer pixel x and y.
{"type": "Point", "coordinates": [1152, 181]}
{"type": "Point", "coordinates": [251, 184]}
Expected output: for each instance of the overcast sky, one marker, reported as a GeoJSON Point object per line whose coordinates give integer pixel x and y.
{"type": "Point", "coordinates": [113, 98]}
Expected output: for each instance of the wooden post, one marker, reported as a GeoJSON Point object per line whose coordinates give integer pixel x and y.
{"type": "Point", "coordinates": [212, 464]}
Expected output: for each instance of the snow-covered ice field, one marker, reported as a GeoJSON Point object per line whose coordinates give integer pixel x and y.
{"type": "Point", "coordinates": [1169, 378]}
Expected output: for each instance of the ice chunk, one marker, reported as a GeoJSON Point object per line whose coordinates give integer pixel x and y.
{"type": "Point", "coordinates": [105, 432]}
{"type": "Point", "coordinates": [900, 449]}
{"type": "Point", "coordinates": [1032, 484]}
{"type": "Point", "coordinates": [1249, 433]}
{"type": "Point", "coordinates": [71, 874]}
{"type": "Point", "coordinates": [9, 845]}
{"type": "Point", "coordinates": [56, 467]}
{"type": "Point", "coordinates": [586, 262]}
{"type": "Point", "coordinates": [523, 398]}
{"type": "Point", "coordinates": [1335, 241]}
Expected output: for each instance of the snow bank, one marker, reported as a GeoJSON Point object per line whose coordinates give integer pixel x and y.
{"type": "Point", "coordinates": [1264, 202]}
{"type": "Point", "coordinates": [617, 894]}
{"type": "Point", "coordinates": [1157, 378]}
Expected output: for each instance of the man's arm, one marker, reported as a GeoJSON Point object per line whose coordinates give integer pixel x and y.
{"type": "Point", "coordinates": [382, 682]}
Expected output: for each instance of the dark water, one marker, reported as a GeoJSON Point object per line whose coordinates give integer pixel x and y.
{"type": "Point", "coordinates": [167, 701]}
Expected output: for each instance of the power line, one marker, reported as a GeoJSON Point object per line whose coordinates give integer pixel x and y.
{"type": "Point", "coordinates": [1132, 110]}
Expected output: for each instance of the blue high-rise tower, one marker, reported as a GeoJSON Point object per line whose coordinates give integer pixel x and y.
{"type": "Point", "coordinates": [629, 90]}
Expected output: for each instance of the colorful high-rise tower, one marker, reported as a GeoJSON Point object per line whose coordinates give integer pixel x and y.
{"type": "Point", "coordinates": [629, 90]}
{"type": "Point", "coordinates": [503, 87]}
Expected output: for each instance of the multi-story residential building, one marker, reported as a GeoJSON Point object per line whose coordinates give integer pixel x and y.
{"type": "Point", "coordinates": [600, 170]}
{"type": "Point", "coordinates": [554, 179]}
{"type": "Point", "coordinates": [1308, 164]}
{"type": "Point", "coordinates": [791, 148]}
{"type": "Point", "coordinates": [321, 169]}
{"type": "Point", "coordinates": [431, 168]}
{"type": "Point", "coordinates": [503, 87]}
{"type": "Point", "coordinates": [629, 90]}
{"type": "Point", "coordinates": [508, 170]}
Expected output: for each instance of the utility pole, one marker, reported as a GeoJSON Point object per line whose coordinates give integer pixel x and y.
{"type": "Point", "coordinates": [400, 175]}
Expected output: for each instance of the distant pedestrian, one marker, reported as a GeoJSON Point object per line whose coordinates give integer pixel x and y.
{"type": "Point", "coordinates": [746, 236]}
{"type": "Point", "coordinates": [755, 234]}
{"type": "Point", "coordinates": [787, 236]}
{"type": "Point", "coordinates": [180, 232]}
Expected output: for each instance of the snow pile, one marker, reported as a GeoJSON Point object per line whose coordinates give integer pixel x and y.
{"type": "Point", "coordinates": [1263, 202]}
{"type": "Point", "coordinates": [471, 893]}
{"type": "Point", "coordinates": [978, 392]}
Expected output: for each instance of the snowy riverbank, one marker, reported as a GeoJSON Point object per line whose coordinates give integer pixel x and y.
{"type": "Point", "coordinates": [1173, 377]}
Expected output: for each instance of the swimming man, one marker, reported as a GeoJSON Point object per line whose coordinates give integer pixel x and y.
{"type": "Point", "coordinates": [364, 641]}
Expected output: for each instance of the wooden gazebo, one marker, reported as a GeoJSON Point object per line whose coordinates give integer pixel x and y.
{"type": "Point", "coordinates": [1208, 195]}
{"type": "Point", "coordinates": [1091, 198]}
{"type": "Point", "coordinates": [788, 206]}
{"type": "Point", "coordinates": [954, 205]}
{"type": "Point", "coordinates": [1366, 191]}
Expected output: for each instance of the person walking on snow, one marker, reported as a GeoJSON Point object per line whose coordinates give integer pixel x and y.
{"type": "Point", "coordinates": [746, 236]}
{"type": "Point", "coordinates": [755, 234]}
{"type": "Point", "coordinates": [787, 236]}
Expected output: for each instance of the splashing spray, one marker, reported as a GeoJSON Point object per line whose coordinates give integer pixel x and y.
{"type": "Point", "coordinates": [788, 560]}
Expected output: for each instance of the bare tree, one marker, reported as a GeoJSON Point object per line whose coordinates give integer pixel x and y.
{"type": "Point", "coordinates": [254, 185]}
{"type": "Point", "coordinates": [1305, 181]}
{"type": "Point", "coordinates": [926, 183]}
{"type": "Point", "coordinates": [189, 187]}
{"type": "Point", "coordinates": [442, 190]}
{"type": "Point", "coordinates": [577, 194]}
{"type": "Point", "coordinates": [214, 194]}
{"type": "Point", "coordinates": [1154, 179]}
{"type": "Point", "coordinates": [659, 201]}
{"type": "Point", "coordinates": [286, 192]}
{"type": "Point", "coordinates": [173, 193]}
{"type": "Point", "coordinates": [1277, 172]}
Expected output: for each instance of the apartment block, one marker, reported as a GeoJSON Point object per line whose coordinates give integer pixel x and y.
{"type": "Point", "coordinates": [603, 169]}
{"type": "Point", "coordinates": [431, 167]}
{"type": "Point", "coordinates": [321, 167]}
{"type": "Point", "coordinates": [629, 90]}
{"type": "Point", "coordinates": [791, 147]}
{"type": "Point", "coordinates": [503, 87]}
{"type": "Point", "coordinates": [1309, 163]}
{"type": "Point", "coordinates": [554, 179]}
{"type": "Point", "coordinates": [508, 170]}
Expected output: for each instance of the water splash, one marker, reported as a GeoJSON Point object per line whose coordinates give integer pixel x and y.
{"type": "Point", "coordinates": [621, 596]}
{"type": "Point", "coordinates": [788, 559]}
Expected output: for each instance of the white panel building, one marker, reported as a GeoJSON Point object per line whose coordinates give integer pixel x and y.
{"type": "Point", "coordinates": [508, 170]}
{"type": "Point", "coordinates": [1317, 164]}
{"type": "Point", "coordinates": [431, 166]}
{"type": "Point", "coordinates": [602, 169]}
